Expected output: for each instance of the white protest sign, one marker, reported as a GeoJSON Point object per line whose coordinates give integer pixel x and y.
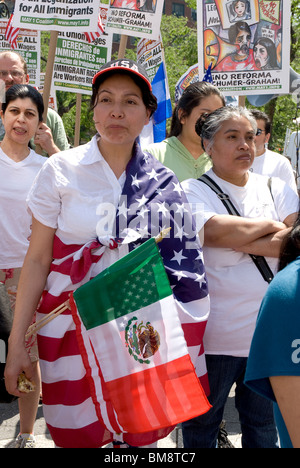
{"type": "Point", "coordinates": [150, 55]}
{"type": "Point", "coordinates": [77, 61]}
{"type": "Point", "coordinates": [57, 15]}
{"type": "Point", "coordinates": [244, 43]}
{"type": "Point", "coordinates": [28, 45]}
{"type": "Point", "coordinates": [138, 18]}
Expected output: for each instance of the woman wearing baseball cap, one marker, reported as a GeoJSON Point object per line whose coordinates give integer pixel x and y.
{"type": "Point", "coordinates": [108, 196]}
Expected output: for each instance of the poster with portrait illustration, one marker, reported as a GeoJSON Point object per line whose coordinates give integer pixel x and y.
{"type": "Point", "coordinates": [246, 43]}
{"type": "Point", "coordinates": [138, 18]}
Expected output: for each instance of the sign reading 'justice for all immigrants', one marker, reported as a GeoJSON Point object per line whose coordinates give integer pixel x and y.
{"type": "Point", "coordinates": [58, 15]}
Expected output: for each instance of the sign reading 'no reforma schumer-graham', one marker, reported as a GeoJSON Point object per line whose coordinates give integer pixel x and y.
{"type": "Point", "coordinates": [58, 15]}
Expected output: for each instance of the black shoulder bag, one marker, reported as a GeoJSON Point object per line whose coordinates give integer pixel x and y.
{"type": "Point", "coordinates": [259, 261]}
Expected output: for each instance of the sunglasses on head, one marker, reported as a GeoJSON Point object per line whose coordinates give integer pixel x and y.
{"type": "Point", "coordinates": [259, 132]}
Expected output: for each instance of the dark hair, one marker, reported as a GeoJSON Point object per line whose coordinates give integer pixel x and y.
{"type": "Point", "coordinates": [269, 45]}
{"type": "Point", "coordinates": [259, 115]}
{"type": "Point", "coordinates": [22, 91]}
{"type": "Point", "coordinates": [149, 99]}
{"type": "Point", "coordinates": [236, 28]}
{"type": "Point", "coordinates": [238, 1]}
{"type": "Point", "coordinates": [192, 97]}
{"type": "Point", "coordinates": [290, 247]}
{"type": "Point", "coordinates": [208, 125]}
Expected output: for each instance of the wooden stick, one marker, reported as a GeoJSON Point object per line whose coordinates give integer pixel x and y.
{"type": "Point", "coordinates": [242, 101]}
{"type": "Point", "coordinates": [122, 46]}
{"type": "Point", "coordinates": [49, 71]}
{"type": "Point", "coordinates": [162, 235]}
{"type": "Point", "coordinates": [48, 318]}
{"type": "Point", "coordinates": [48, 78]}
{"type": "Point", "coordinates": [77, 119]}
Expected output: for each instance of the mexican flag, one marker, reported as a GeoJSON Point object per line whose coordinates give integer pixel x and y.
{"type": "Point", "coordinates": [133, 347]}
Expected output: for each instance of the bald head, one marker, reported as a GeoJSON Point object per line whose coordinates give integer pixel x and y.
{"type": "Point", "coordinates": [13, 69]}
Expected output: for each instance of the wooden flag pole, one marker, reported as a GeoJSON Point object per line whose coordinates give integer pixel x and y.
{"type": "Point", "coordinates": [77, 119]}
{"type": "Point", "coordinates": [48, 78]}
{"type": "Point", "coordinates": [122, 47]}
{"type": "Point", "coordinates": [49, 71]}
{"type": "Point", "coordinates": [242, 101]}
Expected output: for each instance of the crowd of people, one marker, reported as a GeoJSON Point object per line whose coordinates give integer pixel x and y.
{"type": "Point", "coordinates": [245, 207]}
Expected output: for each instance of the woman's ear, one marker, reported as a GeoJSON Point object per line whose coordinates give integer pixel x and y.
{"type": "Point", "coordinates": [181, 116]}
{"type": "Point", "coordinates": [148, 116]}
{"type": "Point", "coordinates": [207, 147]}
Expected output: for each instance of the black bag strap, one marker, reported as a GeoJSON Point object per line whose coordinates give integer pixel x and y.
{"type": "Point", "coordinates": [259, 261]}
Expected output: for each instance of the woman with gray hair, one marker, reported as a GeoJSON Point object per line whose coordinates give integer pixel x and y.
{"type": "Point", "coordinates": [243, 220]}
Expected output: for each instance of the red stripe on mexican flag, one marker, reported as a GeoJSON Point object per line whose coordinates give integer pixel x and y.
{"type": "Point", "coordinates": [133, 346]}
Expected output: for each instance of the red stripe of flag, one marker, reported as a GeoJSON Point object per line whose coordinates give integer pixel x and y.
{"type": "Point", "coordinates": [134, 406]}
{"type": "Point", "coordinates": [93, 392]}
{"type": "Point", "coordinates": [51, 349]}
{"type": "Point", "coordinates": [70, 393]}
{"type": "Point", "coordinates": [92, 436]}
{"type": "Point", "coordinates": [11, 33]}
{"type": "Point", "coordinates": [91, 36]}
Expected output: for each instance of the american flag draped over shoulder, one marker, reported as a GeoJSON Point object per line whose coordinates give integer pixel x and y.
{"type": "Point", "coordinates": [152, 199]}
{"type": "Point", "coordinates": [155, 200]}
{"type": "Point", "coordinates": [11, 33]}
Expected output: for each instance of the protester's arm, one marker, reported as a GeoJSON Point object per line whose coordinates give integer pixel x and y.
{"type": "Point", "coordinates": [270, 245]}
{"type": "Point", "coordinates": [225, 231]}
{"type": "Point", "coordinates": [32, 281]}
{"type": "Point", "coordinates": [287, 393]}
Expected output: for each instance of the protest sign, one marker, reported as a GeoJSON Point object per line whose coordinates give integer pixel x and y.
{"type": "Point", "coordinates": [138, 18]}
{"type": "Point", "coordinates": [77, 61]}
{"type": "Point", "coordinates": [150, 55]}
{"type": "Point", "coordinates": [28, 45]}
{"type": "Point", "coordinates": [243, 40]}
{"type": "Point", "coordinates": [189, 77]}
{"type": "Point", "coordinates": [57, 15]}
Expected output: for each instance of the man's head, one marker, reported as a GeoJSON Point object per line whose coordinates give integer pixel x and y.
{"type": "Point", "coordinates": [13, 69]}
{"type": "Point", "coordinates": [263, 131]}
{"type": "Point", "coordinates": [240, 35]}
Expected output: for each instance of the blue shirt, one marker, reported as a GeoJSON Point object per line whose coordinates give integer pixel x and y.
{"type": "Point", "coordinates": [275, 348]}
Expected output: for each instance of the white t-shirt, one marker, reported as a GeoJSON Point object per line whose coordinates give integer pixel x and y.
{"type": "Point", "coordinates": [77, 193]}
{"type": "Point", "coordinates": [236, 286]}
{"type": "Point", "coordinates": [274, 165]}
{"type": "Point", "coordinates": [16, 179]}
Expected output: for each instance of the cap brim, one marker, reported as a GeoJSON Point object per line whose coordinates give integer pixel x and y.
{"type": "Point", "coordinates": [127, 70]}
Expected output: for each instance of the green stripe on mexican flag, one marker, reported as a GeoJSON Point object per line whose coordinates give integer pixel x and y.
{"type": "Point", "coordinates": [131, 319]}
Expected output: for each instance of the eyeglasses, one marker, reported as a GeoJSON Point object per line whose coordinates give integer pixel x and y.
{"type": "Point", "coordinates": [13, 73]}
{"type": "Point", "coordinates": [259, 131]}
